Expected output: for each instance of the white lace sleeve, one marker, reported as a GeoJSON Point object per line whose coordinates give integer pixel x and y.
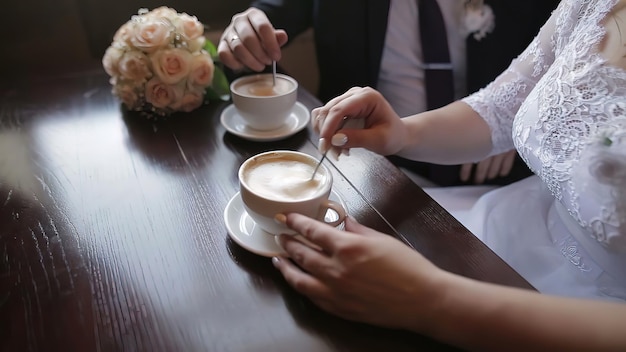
{"type": "Point", "coordinates": [500, 100]}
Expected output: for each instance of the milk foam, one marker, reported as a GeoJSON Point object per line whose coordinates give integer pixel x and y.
{"type": "Point", "coordinates": [285, 180]}
{"type": "Point", "coordinates": [265, 87]}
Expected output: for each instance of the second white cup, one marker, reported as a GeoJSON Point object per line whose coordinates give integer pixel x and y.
{"type": "Point", "coordinates": [263, 105]}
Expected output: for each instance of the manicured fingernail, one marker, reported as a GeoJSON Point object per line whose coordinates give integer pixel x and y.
{"type": "Point", "coordinates": [322, 145]}
{"type": "Point", "coordinates": [339, 140]}
{"type": "Point", "coordinates": [280, 218]}
{"type": "Point", "coordinates": [276, 261]}
{"type": "Point", "coordinates": [335, 154]}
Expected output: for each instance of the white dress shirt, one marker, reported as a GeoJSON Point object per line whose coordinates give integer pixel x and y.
{"type": "Point", "coordinates": [401, 77]}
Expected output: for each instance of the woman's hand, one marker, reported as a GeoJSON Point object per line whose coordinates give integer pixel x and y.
{"type": "Point", "coordinates": [360, 274]}
{"type": "Point", "coordinates": [250, 41]}
{"type": "Point", "coordinates": [382, 131]}
{"type": "Point", "coordinates": [363, 275]}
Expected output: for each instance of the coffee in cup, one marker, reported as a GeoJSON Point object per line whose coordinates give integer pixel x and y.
{"type": "Point", "coordinates": [283, 182]}
{"type": "Point", "coordinates": [262, 103]}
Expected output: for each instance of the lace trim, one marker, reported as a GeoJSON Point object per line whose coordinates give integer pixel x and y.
{"type": "Point", "coordinates": [570, 250]}
{"type": "Point", "coordinates": [499, 100]}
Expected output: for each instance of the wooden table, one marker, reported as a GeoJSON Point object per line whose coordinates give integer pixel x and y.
{"type": "Point", "coordinates": [112, 235]}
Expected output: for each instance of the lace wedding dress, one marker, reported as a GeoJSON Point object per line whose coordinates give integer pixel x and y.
{"type": "Point", "coordinates": [563, 107]}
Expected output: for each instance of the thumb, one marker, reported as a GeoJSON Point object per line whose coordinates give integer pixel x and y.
{"type": "Point", "coordinates": [352, 225]}
{"type": "Point", "coordinates": [281, 37]}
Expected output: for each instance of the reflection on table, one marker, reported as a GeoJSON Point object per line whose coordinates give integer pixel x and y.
{"type": "Point", "coordinates": [112, 233]}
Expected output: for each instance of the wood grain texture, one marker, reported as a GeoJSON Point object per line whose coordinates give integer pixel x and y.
{"type": "Point", "coordinates": [112, 235]}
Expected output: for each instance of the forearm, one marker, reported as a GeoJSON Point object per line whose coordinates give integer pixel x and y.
{"type": "Point", "coordinates": [453, 134]}
{"type": "Point", "coordinates": [482, 316]}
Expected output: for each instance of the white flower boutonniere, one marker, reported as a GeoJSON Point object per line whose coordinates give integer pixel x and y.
{"type": "Point", "coordinates": [601, 175]}
{"type": "Point", "coordinates": [478, 19]}
{"type": "Point", "coordinates": [605, 158]}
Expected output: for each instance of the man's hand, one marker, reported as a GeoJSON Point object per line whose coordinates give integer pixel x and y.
{"type": "Point", "coordinates": [251, 41]}
{"type": "Point", "coordinates": [492, 167]}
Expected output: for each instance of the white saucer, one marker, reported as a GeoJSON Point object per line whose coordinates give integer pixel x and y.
{"type": "Point", "coordinates": [235, 124]}
{"type": "Point", "coordinates": [243, 230]}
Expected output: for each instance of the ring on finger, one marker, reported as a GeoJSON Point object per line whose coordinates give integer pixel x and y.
{"type": "Point", "coordinates": [233, 38]}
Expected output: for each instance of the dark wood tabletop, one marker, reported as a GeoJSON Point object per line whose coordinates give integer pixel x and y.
{"type": "Point", "coordinates": [112, 235]}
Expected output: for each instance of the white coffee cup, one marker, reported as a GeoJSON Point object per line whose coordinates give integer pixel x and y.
{"type": "Point", "coordinates": [279, 182]}
{"type": "Point", "coordinates": [263, 105]}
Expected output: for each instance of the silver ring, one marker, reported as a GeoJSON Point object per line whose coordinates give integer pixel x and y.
{"type": "Point", "coordinates": [233, 38]}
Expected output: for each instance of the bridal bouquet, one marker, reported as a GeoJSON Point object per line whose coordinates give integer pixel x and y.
{"type": "Point", "coordinates": [160, 63]}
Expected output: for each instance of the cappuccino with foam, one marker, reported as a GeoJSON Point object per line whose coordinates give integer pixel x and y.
{"type": "Point", "coordinates": [284, 179]}
{"type": "Point", "coordinates": [281, 182]}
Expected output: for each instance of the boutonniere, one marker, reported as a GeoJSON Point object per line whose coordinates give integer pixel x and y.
{"type": "Point", "coordinates": [478, 19]}
{"type": "Point", "coordinates": [600, 175]}
{"type": "Point", "coordinates": [605, 158]}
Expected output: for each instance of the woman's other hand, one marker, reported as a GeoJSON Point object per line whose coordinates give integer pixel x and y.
{"type": "Point", "coordinates": [360, 274]}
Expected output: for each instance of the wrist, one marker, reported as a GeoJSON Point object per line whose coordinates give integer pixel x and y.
{"type": "Point", "coordinates": [428, 314]}
{"type": "Point", "coordinates": [410, 137]}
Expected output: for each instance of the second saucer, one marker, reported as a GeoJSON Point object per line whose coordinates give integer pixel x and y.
{"type": "Point", "coordinates": [234, 123]}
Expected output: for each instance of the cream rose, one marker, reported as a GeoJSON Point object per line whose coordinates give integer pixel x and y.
{"type": "Point", "coordinates": [189, 26]}
{"type": "Point", "coordinates": [162, 95]}
{"type": "Point", "coordinates": [127, 93]}
{"type": "Point", "coordinates": [196, 45]}
{"type": "Point", "coordinates": [123, 34]}
{"type": "Point", "coordinates": [201, 71]}
{"type": "Point", "coordinates": [191, 100]}
{"type": "Point", "coordinates": [151, 34]}
{"type": "Point", "coordinates": [135, 65]}
{"type": "Point", "coordinates": [163, 12]}
{"type": "Point", "coordinates": [110, 60]}
{"type": "Point", "coordinates": [171, 65]}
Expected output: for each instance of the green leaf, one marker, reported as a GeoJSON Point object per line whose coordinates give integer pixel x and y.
{"type": "Point", "coordinates": [210, 94]}
{"type": "Point", "coordinates": [219, 88]}
{"type": "Point", "coordinates": [211, 49]}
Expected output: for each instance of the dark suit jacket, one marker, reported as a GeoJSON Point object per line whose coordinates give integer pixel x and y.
{"type": "Point", "coordinates": [350, 34]}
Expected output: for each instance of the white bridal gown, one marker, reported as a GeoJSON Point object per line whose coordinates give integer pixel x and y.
{"type": "Point", "coordinates": [564, 229]}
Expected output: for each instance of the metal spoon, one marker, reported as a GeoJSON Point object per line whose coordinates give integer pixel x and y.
{"type": "Point", "coordinates": [343, 123]}
{"type": "Point", "coordinates": [273, 73]}
{"type": "Point", "coordinates": [319, 163]}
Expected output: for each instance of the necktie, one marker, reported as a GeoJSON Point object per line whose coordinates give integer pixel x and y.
{"type": "Point", "coordinates": [439, 83]}
{"type": "Point", "coordinates": [436, 56]}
